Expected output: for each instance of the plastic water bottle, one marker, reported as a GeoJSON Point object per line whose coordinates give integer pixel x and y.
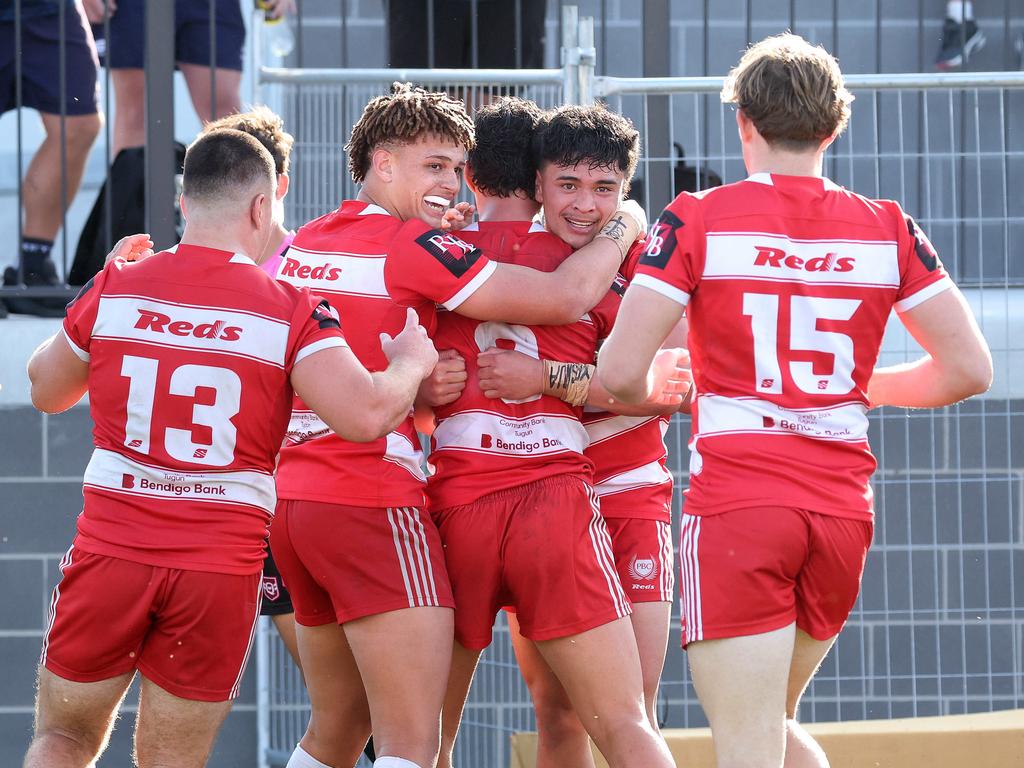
{"type": "Point", "coordinates": [277, 33]}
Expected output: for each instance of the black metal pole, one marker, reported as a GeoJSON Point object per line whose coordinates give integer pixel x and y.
{"type": "Point", "coordinates": [160, 123]}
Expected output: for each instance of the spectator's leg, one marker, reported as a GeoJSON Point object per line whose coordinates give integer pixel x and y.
{"type": "Point", "coordinates": [228, 83]}
{"type": "Point", "coordinates": [73, 720]}
{"type": "Point", "coordinates": [41, 189]}
{"type": "Point", "coordinates": [130, 111]}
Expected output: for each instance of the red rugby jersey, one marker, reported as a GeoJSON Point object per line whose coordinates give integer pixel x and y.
{"type": "Point", "coordinates": [371, 266]}
{"type": "Point", "coordinates": [788, 282]}
{"type": "Point", "coordinates": [482, 445]}
{"type": "Point", "coordinates": [189, 354]}
{"type": "Point", "coordinates": [631, 476]}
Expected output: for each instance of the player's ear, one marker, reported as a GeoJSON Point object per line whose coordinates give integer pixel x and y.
{"type": "Point", "coordinates": [538, 193]}
{"type": "Point", "coordinates": [257, 210]}
{"type": "Point", "coordinates": [282, 186]}
{"type": "Point", "coordinates": [182, 206]}
{"type": "Point", "coordinates": [468, 176]}
{"type": "Point", "coordinates": [382, 161]}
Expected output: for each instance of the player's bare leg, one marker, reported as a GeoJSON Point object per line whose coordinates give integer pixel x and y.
{"type": "Point", "coordinates": [73, 720]}
{"type": "Point", "coordinates": [742, 683]}
{"type": "Point", "coordinates": [562, 741]}
{"type": "Point", "coordinates": [226, 84]}
{"type": "Point", "coordinates": [285, 625]}
{"type": "Point", "coordinates": [403, 658]}
{"type": "Point", "coordinates": [802, 751]}
{"type": "Point", "coordinates": [175, 731]}
{"type": "Point", "coordinates": [651, 627]}
{"type": "Point", "coordinates": [600, 669]}
{"type": "Point", "coordinates": [339, 724]}
{"type": "Point", "coordinates": [460, 678]}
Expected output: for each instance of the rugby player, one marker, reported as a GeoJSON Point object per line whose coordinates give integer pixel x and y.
{"type": "Point", "coordinates": [189, 357]}
{"type": "Point", "coordinates": [512, 489]}
{"type": "Point", "coordinates": [787, 280]}
{"type": "Point", "coordinates": [360, 556]}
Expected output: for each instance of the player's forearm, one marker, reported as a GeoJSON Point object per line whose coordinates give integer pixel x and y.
{"type": "Point", "coordinates": [392, 396]}
{"type": "Point", "coordinates": [582, 280]}
{"type": "Point", "coordinates": [600, 397]}
{"type": "Point", "coordinates": [925, 383]}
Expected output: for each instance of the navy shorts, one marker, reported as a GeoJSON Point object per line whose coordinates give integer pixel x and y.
{"type": "Point", "coordinates": [276, 600]}
{"type": "Point", "coordinates": [125, 47]}
{"type": "Point", "coordinates": [40, 64]}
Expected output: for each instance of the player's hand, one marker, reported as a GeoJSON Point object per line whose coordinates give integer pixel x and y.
{"type": "Point", "coordinates": [411, 346]}
{"type": "Point", "coordinates": [633, 210]}
{"type": "Point", "coordinates": [670, 377]}
{"type": "Point", "coordinates": [446, 382]}
{"type": "Point", "coordinates": [96, 11]}
{"type": "Point", "coordinates": [459, 216]}
{"type": "Point", "coordinates": [131, 248]}
{"type": "Point", "coordinates": [509, 375]}
{"type": "Point", "coordinates": [275, 9]}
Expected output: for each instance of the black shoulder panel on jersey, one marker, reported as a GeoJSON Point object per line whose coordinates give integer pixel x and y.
{"type": "Point", "coordinates": [455, 255]}
{"type": "Point", "coordinates": [922, 246]}
{"type": "Point", "coordinates": [326, 315]}
{"type": "Point", "coordinates": [661, 242]}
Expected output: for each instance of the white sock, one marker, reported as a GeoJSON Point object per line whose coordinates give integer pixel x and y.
{"type": "Point", "coordinates": [958, 10]}
{"type": "Point", "coordinates": [393, 762]}
{"type": "Point", "coordinates": [302, 759]}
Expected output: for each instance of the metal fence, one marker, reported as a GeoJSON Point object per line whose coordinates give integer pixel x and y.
{"type": "Point", "coordinates": [939, 627]}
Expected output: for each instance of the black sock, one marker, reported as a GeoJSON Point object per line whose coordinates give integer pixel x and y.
{"type": "Point", "coordinates": [34, 253]}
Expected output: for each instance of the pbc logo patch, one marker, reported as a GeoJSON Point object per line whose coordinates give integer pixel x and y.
{"type": "Point", "coordinates": [643, 568]}
{"type": "Point", "coordinates": [326, 316]}
{"type": "Point", "coordinates": [923, 247]}
{"type": "Point", "coordinates": [456, 255]}
{"type": "Point", "coordinates": [271, 589]}
{"type": "Point", "coordinates": [661, 243]}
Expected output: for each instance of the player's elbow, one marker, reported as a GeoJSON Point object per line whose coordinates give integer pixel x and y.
{"type": "Point", "coordinates": [976, 379]}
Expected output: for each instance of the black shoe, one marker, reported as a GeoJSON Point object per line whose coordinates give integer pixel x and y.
{"type": "Point", "coordinates": [3, 309]}
{"type": "Point", "coordinates": [45, 275]}
{"type": "Point", "coordinates": [959, 41]}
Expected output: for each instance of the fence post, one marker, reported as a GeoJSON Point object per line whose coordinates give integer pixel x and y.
{"type": "Point", "coordinates": [657, 61]}
{"type": "Point", "coordinates": [160, 168]}
{"type": "Point", "coordinates": [587, 61]}
{"type": "Point", "coordinates": [570, 54]}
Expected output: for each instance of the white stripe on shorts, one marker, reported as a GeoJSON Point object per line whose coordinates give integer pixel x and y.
{"type": "Point", "coordinates": [413, 553]}
{"type": "Point", "coordinates": [602, 543]}
{"type": "Point", "coordinates": [64, 563]}
{"type": "Point", "coordinates": [667, 563]}
{"type": "Point", "coordinates": [689, 580]}
{"type": "Point", "coordinates": [236, 688]}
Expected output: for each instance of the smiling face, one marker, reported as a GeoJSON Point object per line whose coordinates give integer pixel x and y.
{"type": "Point", "coordinates": [423, 177]}
{"type": "Point", "coordinates": [577, 199]}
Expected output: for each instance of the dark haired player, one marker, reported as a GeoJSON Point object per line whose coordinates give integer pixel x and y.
{"type": "Point", "coordinates": [788, 281]}
{"type": "Point", "coordinates": [511, 492]}
{"type": "Point", "coordinates": [189, 358]}
{"type": "Point", "coordinates": [361, 558]}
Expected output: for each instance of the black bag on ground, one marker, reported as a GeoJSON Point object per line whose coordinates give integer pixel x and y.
{"type": "Point", "coordinates": [685, 177]}
{"type": "Point", "coordinates": [127, 183]}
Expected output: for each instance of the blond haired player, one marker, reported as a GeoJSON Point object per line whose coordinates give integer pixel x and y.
{"type": "Point", "coordinates": [787, 280]}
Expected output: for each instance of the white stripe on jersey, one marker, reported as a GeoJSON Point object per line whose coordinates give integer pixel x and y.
{"type": "Point", "coordinates": [660, 286]}
{"type": "Point", "coordinates": [777, 258]}
{"type": "Point", "coordinates": [640, 477]}
{"type": "Point", "coordinates": [401, 452]}
{"type": "Point", "coordinates": [720, 415]}
{"type": "Point", "coordinates": [689, 579]}
{"type": "Point", "coordinates": [79, 352]}
{"type": "Point", "coordinates": [189, 326]}
{"type": "Point", "coordinates": [351, 274]}
{"type": "Point", "coordinates": [934, 289]}
{"type": "Point", "coordinates": [602, 543]}
{"type": "Point", "coordinates": [471, 287]}
{"type": "Point", "coordinates": [540, 434]}
{"type": "Point", "coordinates": [54, 599]}
{"type": "Point", "coordinates": [316, 346]}
{"type": "Point", "coordinates": [613, 425]}
{"type": "Point", "coordinates": [114, 473]}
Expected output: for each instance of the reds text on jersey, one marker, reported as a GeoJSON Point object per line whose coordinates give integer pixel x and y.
{"type": "Point", "coordinates": [370, 266]}
{"type": "Point", "coordinates": [788, 282]}
{"type": "Point", "coordinates": [189, 354]}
